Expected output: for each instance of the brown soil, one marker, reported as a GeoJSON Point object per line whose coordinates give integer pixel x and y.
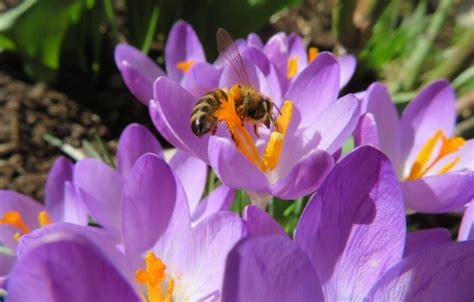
{"type": "Point", "coordinates": [27, 113]}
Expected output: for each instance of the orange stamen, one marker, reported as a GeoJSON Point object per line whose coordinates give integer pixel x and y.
{"type": "Point", "coordinates": [14, 218]}
{"type": "Point", "coordinates": [292, 67]}
{"type": "Point", "coordinates": [312, 54]}
{"type": "Point", "coordinates": [185, 65]}
{"type": "Point", "coordinates": [152, 277]}
{"type": "Point", "coordinates": [422, 166]}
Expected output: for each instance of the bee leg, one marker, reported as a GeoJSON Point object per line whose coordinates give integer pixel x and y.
{"type": "Point", "coordinates": [256, 131]}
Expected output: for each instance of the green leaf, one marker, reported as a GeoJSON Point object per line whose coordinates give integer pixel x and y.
{"type": "Point", "coordinates": [36, 29]}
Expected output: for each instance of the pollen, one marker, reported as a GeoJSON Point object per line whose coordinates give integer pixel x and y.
{"type": "Point", "coordinates": [312, 54]}
{"type": "Point", "coordinates": [423, 162]}
{"type": "Point", "coordinates": [152, 277]}
{"type": "Point", "coordinates": [292, 67]}
{"type": "Point", "coordinates": [184, 66]}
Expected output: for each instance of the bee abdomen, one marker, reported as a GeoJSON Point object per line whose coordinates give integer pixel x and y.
{"type": "Point", "coordinates": [202, 117]}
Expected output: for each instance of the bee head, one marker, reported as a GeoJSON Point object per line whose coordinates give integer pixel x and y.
{"type": "Point", "coordinates": [260, 110]}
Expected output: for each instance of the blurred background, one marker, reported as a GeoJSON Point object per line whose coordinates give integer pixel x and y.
{"type": "Point", "coordinates": [61, 93]}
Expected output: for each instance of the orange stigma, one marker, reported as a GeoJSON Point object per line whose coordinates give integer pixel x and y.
{"type": "Point", "coordinates": [243, 140]}
{"type": "Point", "coordinates": [15, 219]}
{"type": "Point", "coordinates": [423, 162]}
{"type": "Point", "coordinates": [312, 54]}
{"type": "Point", "coordinates": [152, 277]}
{"type": "Point", "coordinates": [184, 66]}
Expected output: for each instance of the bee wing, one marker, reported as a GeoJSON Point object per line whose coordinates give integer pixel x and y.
{"type": "Point", "coordinates": [229, 51]}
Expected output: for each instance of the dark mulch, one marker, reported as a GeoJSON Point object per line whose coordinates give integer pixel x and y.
{"type": "Point", "coordinates": [27, 113]}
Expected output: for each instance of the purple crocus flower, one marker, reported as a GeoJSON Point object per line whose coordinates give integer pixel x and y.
{"type": "Point", "coordinates": [20, 215]}
{"type": "Point", "coordinates": [434, 168]}
{"type": "Point", "coordinates": [101, 185]}
{"type": "Point", "coordinates": [160, 255]}
{"type": "Point", "coordinates": [288, 55]}
{"type": "Point", "coordinates": [349, 246]}
{"type": "Point", "coordinates": [316, 127]}
{"type": "Point", "coordinates": [184, 57]}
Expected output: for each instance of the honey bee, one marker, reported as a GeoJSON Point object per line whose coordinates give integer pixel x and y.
{"type": "Point", "coordinates": [250, 105]}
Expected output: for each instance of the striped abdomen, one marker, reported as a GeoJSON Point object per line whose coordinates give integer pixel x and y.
{"type": "Point", "coordinates": [202, 117]}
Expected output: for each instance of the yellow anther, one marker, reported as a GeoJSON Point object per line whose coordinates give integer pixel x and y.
{"type": "Point", "coordinates": [185, 65]}
{"type": "Point", "coordinates": [284, 119]}
{"type": "Point", "coordinates": [422, 164]}
{"type": "Point", "coordinates": [312, 54]}
{"type": "Point", "coordinates": [292, 67]}
{"type": "Point", "coordinates": [14, 218]}
{"type": "Point", "coordinates": [152, 277]}
{"type": "Point", "coordinates": [44, 219]}
{"type": "Point", "coordinates": [272, 151]}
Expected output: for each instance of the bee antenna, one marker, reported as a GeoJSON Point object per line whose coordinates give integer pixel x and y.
{"type": "Point", "coordinates": [278, 109]}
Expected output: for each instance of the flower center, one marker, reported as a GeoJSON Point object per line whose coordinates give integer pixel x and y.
{"type": "Point", "coordinates": [244, 141]}
{"type": "Point", "coordinates": [293, 61]}
{"type": "Point", "coordinates": [424, 162]}
{"type": "Point", "coordinates": [14, 218]}
{"type": "Point", "coordinates": [185, 65]}
{"type": "Point", "coordinates": [152, 276]}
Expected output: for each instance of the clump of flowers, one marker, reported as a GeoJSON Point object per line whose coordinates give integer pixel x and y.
{"type": "Point", "coordinates": [139, 228]}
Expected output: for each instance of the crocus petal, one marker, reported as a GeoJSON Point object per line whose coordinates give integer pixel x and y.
{"type": "Point", "coordinates": [296, 48]}
{"type": "Point", "coordinates": [73, 209]}
{"type": "Point", "coordinates": [377, 101]}
{"type": "Point", "coordinates": [135, 141]}
{"type": "Point", "coordinates": [211, 241]}
{"type": "Point", "coordinates": [431, 110]}
{"type": "Point", "coordinates": [258, 222]}
{"type": "Point", "coordinates": [269, 268]}
{"type": "Point", "coordinates": [315, 88]}
{"type": "Point", "coordinates": [220, 199]}
{"type": "Point", "coordinates": [440, 273]}
{"type": "Point", "coordinates": [197, 84]}
{"type": "Point", "coordinates": [192, 172]}
{"type": "Point", "coordinates": [305, 177]}
{"type": "Point", "coordinates": [61, 201]}
{"type": "Point", "coordinates": [439, 193]}
{"type": "Point", "coordinates": [337, 124]}
{"type": "Point", "coordinates": [348, 65]}
{"type": "Point", "coordinates": [422, 239]}
{"type": "Point", "coordinates": [7, 260]}
{"type": "Point", "coordinates": [233, 74]}
{"type": "Point", "coordinates": [100, 188]}
{"type": "Point", "coordinates": [67, 269]}
{"type": "Point", "coordinates": [466, 230]}
{"type": "Point", "coordinates": [253, 40]}
{"type": "Point", "coordinates": [138, 71]}
{"type": "Point", "coordinates": [104, 241]}
{"type": "Point", "coordinates": [233, 168]}
{"type": "Point", "coordinates": [148, 201]}
{"type": "Point", "coordinates": [276, 50]}
{"type": "Point", "coordinates": [276, 84]}
{"type": "Point", "coordinates": [366, 131]}
{"type": "Point", "coordinates": [346, 227]}
{"type": "Point", "coordinates": [183, 45]}
{"type": "Point", "coordinates": [175, 107]}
